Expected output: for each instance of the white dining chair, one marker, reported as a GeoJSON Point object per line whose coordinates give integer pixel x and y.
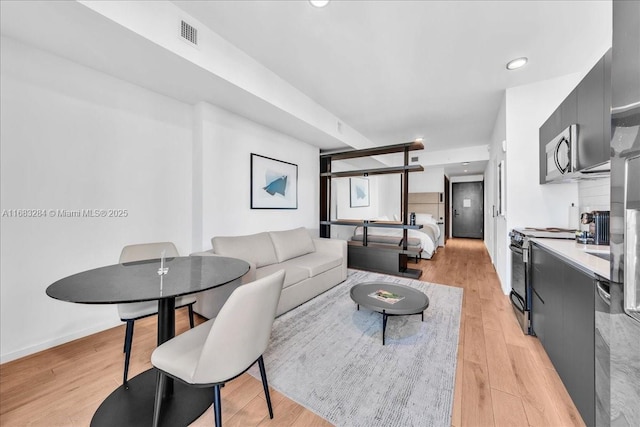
{"type": "Point", "coordinates": [222, 348]}
{"type": "Point", "coordinates": [131, 312]}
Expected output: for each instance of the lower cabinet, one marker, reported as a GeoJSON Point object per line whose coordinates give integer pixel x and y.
{"type": "Point", "coordinates": [563, 318]}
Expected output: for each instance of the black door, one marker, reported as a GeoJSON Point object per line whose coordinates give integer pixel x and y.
{"type": "Point", "coordinates": [468, 209]}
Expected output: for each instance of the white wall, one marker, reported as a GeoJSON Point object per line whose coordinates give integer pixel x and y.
{"type": "Point", "coordinates": [431, 180]}
{"type": "Point", "coordinates": [466, 178]}
{"type": "Point", "coordinates": [226, 141]}
{"type": "Point", "coordinates": [341, 191]}
{"type": "Point", "coordinates": [224, 60]}
{"type": "Point", "coordinates": [73, 138]}
{"type": "Point", "coordinates": [529, 204]}
{"type": "Point", "coordinates": [495, 224]}
{"type": "Point", "coordinates": [594, 195]}
{"type": "Point", "coordinates": [384, 198]}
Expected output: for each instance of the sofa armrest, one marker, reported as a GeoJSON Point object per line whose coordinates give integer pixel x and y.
{"type": "Point", "coordinates": [333, 246]}
{"type": "Point", "coordinates": [249, 276]}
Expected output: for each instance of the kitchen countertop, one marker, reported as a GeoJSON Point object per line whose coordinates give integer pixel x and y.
{"type": "Point", "coordinates": [575, 253]}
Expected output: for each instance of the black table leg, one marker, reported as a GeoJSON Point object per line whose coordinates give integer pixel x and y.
{"type": "Point", "coordinates": [166, 331]}
{"type": "Point", "coordinates": [384, 324]}
{"type": "Point", "coordinates": [166, 319]}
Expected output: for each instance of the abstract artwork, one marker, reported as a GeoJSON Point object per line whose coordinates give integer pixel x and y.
{"type": "Point", "coordinates": [274, 183]}
{"type": "Point", "coordinates": [359, 192]}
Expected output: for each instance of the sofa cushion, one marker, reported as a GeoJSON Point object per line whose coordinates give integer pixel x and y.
{"type": "Point", "coordinates": [316, 263]}
{"type": "Point", "coordinates": [256, 248]}
{"type": "Point", "coordinates": [292, 243]}
{"type": "Point", "coordinates": [293, 273]}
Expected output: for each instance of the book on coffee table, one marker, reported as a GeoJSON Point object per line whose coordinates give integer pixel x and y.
{"type": "Point", "coordinates": [386, 296]}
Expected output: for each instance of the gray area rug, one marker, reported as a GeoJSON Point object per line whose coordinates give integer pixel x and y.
{"type": "Point", "coordinates": [329, 357]}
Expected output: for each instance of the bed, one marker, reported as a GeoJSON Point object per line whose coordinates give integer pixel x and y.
{"type": "Point", "coordinates": [424, 240]}
{"type": "Point", "coordinates": [429, 209]}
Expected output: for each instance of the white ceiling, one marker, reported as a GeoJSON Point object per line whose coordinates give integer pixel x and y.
{"type": "Point", "coordinates": [391, 70]}
{"type": "Point", "coordinates": [397, 70]}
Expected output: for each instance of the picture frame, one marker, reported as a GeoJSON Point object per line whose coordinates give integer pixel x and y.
{"type": "Point", "coordinates": [359, 192]}
{"type": "Point", "coordinates": [274, 183]}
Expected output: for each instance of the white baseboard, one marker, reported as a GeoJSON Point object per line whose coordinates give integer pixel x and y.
{"type": "Point", "coordinates": [8, 357]}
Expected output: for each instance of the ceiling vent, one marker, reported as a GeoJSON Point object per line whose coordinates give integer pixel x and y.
{"type": "Point", "coordinates": [189, 33]}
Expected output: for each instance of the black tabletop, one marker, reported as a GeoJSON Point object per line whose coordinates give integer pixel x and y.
{"type": "Point", "coordinates": [139, 281]}
{"type": "Point", "coordinates": [412, 300]}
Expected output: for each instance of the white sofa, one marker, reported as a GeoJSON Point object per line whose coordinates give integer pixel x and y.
{"type": "Point", "coordinates": [312, 266]}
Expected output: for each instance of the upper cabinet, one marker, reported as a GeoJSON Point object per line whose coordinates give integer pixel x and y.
{"type": "Point", "coordinates": [575, 139]}
{"type": "Point", "coordinates": [593, 136]}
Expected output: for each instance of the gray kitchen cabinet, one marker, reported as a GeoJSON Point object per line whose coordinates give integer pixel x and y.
{"type": "Point", "coordinates": [578, 331]}
{"type": "Point", "coordinates": [563, 318]}
{"type": "Point", "coordinates": [547, 303]}
{"type": "Point", "coordinates": [564, 116]}
{"type": "Point", "coordinates": [593, 132]}
{"type": "Point", "coordinates": [588, 106]}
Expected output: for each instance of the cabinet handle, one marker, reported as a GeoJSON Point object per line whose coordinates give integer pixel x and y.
{"type": "Point", "coordinates": [606, 296]}
{"type": "Point", "coordinates": [538, 295]}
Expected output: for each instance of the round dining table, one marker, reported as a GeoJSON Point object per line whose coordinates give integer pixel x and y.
{"type": "Point", "coordinates": [163, 280]}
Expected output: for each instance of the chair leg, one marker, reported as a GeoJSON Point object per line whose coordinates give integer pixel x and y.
{"type": "Point", "coordinates": [217, 405]}
{"type": "Point", "coordinates": [191, 315]}
{"type": "Point", "coordinates": [127, 332]}
{"type": "Point", "coordinates": [161, 380]}
{"type": "Point", "coordinates": [128, 340]}
{"type": "Point", "coordinates": [263, 374]}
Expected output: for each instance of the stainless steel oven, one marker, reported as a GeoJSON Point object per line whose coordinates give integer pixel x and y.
{"type": "Point", "coordinates": [520, 295]}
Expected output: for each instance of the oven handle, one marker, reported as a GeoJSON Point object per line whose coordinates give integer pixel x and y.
{"type": "Point", "coordinates": [520, 251]}
{"type": "Point", "coordinates": [517, 301]}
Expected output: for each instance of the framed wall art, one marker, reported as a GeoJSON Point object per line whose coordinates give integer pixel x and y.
{"type": "Point", "coordinates": [274, 183]}
{"type": "Point", "coordinates": [359, 191]}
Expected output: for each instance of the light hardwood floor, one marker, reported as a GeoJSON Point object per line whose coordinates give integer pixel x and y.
{"type": "Point", "coordinates": [503, 377]}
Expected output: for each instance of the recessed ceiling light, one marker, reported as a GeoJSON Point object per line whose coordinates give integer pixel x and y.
{"type": "Point", "coordinates": [516, 63]}
{"type": "Point", "coordinates": [319, 3]}
{"type": "Point", "coordinates": [419, 139]}
{"type": "Point", "coordinates": [465, 163]}
{"type": "Point", "coordinates": [465, 170]}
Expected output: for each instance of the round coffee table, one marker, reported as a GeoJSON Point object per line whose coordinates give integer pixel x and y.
{"type": "Point", "coordinates": [390, 299]}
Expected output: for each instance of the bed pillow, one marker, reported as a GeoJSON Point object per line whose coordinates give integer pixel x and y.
{"type": "Point", "coordinates": [423, 218]}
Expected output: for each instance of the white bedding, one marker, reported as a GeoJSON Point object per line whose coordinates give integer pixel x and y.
{"type": "Point", "coordinates": [427, 243]}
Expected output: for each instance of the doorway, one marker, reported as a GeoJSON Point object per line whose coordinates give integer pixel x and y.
{"type": "Point", "coordinates": [468, 209]}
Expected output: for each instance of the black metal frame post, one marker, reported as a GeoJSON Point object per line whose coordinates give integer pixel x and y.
{"type": "Point", "coordinates": [325, 196]}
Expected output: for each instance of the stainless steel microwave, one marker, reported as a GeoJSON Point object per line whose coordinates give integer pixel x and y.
{"type": "Point", "coordinates": [561, 154]}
